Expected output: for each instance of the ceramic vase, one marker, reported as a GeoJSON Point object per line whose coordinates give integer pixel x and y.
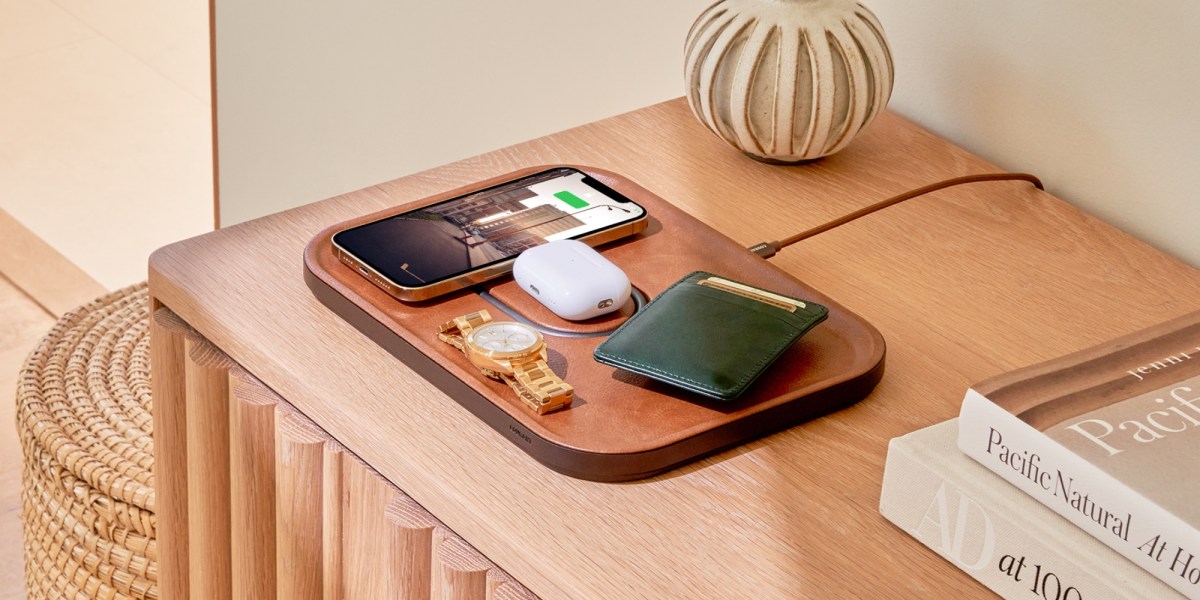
{"type": "Point", "coordinates": [787, 81]}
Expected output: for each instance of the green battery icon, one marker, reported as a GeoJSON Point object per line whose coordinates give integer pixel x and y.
{"type": "Point", "coordinates": [571, 199]}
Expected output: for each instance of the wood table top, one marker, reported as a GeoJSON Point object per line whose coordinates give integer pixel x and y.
{"type": "Point", "coordinates": [963, 284]}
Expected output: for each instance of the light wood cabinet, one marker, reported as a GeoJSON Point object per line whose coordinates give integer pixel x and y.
{"type": "Point", "coordinates": [371, 467]}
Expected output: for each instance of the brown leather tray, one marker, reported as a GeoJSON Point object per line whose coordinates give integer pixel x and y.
{"type": "Point", "coordinates": [621, 426]}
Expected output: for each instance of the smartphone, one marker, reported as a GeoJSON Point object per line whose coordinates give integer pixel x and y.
{"type": "Point", "coordinates": [455, 243]}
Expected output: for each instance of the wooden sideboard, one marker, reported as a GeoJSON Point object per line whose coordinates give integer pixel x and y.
{"type": "Point", "coordinates": [963, 284]}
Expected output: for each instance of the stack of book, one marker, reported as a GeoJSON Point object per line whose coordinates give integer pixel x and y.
{"type": "Point", "coordinates": [1073, 479]}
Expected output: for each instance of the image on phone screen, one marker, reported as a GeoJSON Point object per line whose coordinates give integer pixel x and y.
{"type": "Point", "coordinates": [450, 238]}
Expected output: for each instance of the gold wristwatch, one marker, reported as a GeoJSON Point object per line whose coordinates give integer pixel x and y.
{"type": "Point", "coordinates": [511, 352]}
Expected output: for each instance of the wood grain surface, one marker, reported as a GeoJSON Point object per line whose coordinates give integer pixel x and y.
{"type": "Point", "coordinates": [252, 413]}
{"type": "Point", "coordinates": [206, 375]}
{"type": "Point", "coordinates": [416, 537]}
{"type": "Point", "coordinates": [276, 517]}
{"type": "Point", "coordinates": [300, 532]}
{"type": "Point", "coordinates": [963, 284]}
{"type": "Point", "coordinates": [366, 570]}
{"type": "Point", "coordinates": [168, 335]}
{"type": "Point", "coordinates": [463, 572]}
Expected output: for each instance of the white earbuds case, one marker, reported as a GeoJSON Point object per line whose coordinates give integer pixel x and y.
{"type": "Point", "coordinates": [571, 279]}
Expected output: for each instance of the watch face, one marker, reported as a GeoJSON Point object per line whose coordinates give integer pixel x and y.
{"type": "Point", "coordinates": [504, 337]}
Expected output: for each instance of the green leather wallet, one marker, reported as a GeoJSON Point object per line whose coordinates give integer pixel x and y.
{"type": "Point", "coordinates": [709, 335]}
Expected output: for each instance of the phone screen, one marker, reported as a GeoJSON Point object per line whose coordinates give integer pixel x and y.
{"type": "Point", "coordinates": [456, 236]}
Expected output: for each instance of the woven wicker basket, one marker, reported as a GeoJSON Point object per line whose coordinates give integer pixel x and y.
{"type": "Point", "coordinates": [83, 416]}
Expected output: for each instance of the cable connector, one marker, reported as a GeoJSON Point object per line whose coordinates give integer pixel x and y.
{"type": "Point", "coordinates": [765, 249]}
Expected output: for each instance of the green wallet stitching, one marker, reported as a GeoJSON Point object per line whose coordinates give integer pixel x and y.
{"type": "Point", "coordinates": [713, 340]}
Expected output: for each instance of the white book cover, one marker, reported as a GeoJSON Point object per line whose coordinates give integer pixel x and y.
{"type": "Point", "coordinates": [1108, 437]}
{"type": "Point", "coordinates": [995, 533]}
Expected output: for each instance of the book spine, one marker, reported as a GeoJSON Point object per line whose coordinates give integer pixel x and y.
{"type": "Point", "coordinates": [1007, 542]}
{"type": "Point", "coordinates": [1096, 502]}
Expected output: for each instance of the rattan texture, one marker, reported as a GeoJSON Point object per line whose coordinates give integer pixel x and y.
{"type": "Point", "coordinates": [83, 417]}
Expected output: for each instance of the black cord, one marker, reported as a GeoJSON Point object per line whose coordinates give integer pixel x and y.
{"type": "Point", "coordinates": [769, 249]}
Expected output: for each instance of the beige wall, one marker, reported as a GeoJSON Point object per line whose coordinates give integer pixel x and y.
{"type": "Point", "coordinates": [1095, 97]}
{"type": "Point", "coordinates": [105, 129]}
{"type": "Point", "coordinates": [1099, 98]}
{"type": "Point", "coordinates": [316, 99]}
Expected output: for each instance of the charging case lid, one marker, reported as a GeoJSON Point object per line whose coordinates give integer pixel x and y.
{"type": "Point", "coordinates": [571, 279]}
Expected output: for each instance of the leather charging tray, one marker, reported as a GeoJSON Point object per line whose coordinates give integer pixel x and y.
{"type": "Point", "coordinates": [621, 426]}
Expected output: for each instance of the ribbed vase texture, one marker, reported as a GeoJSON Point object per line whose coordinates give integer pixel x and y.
{"type": "Point", "coordinates": [787, 80]}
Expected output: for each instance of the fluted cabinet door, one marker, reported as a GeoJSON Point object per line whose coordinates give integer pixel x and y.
{"type": "Point", "coordinates": [256, 501]}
